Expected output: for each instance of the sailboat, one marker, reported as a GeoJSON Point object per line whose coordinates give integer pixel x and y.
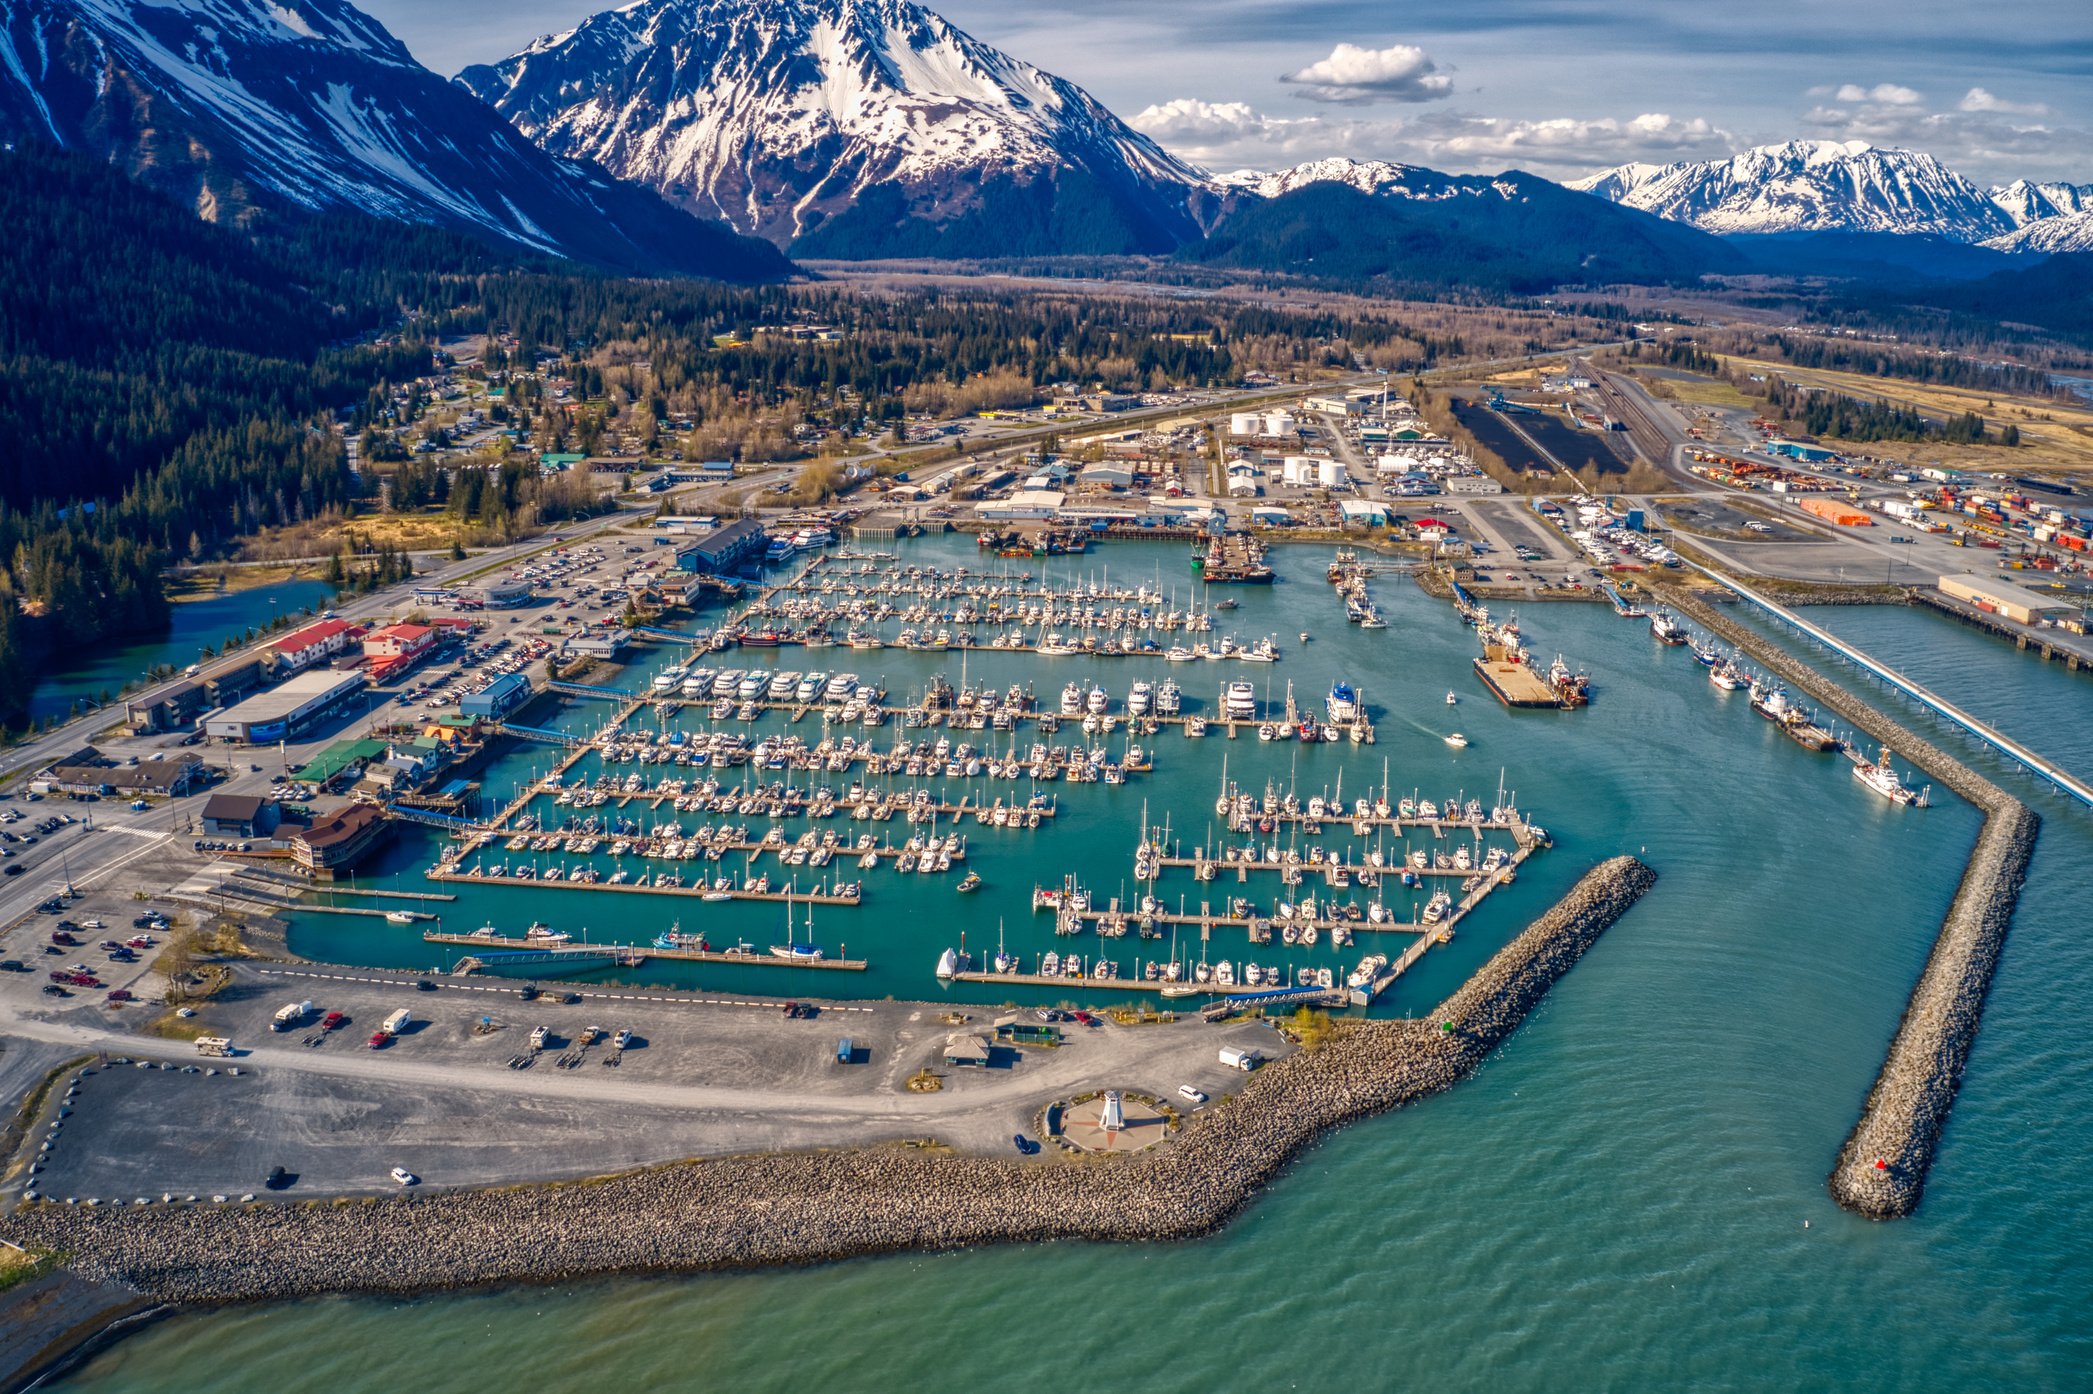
{"type": "Point", "coordinates": [793, 949]}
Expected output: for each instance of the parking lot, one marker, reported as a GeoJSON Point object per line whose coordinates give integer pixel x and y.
{"type": "Point", "coordinates": [462, 1097]}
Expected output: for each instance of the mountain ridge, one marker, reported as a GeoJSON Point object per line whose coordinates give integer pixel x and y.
{"type": "Point", "coordinates": [779, 119]}
{"type": "Point", "coordinates": [238, 106]}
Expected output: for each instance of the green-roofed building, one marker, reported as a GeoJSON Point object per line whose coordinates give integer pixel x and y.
{"type": "Point", "coordinates": [340, 756]}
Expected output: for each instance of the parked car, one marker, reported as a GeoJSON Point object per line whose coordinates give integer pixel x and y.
{"type": "Point", "coordinates": [404, 1177]}
{"type": "Point", "coordinates": [1197, 1096]}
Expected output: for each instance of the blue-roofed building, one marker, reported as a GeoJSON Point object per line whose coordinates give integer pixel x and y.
{"type": "Point", "coordinates": [498, 698]}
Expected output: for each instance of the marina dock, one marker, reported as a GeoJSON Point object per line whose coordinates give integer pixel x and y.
{"type": "Point", "coordinates": [632, 954]}
{"type": "Point", "coordinates": [694, 892]}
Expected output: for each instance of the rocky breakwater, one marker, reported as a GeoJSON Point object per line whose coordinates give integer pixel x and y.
{"type": "Point", "coordinates": [1881, 1171]}
{"type": "Point", "coordinates": [794, 1208]}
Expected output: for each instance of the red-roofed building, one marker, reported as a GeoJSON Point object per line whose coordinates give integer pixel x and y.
{"type": "Point", "coordinates": [399, 641]}
{"type": "Point", "coordinates": [316, 643]}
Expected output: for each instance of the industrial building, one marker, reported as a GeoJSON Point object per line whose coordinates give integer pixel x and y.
{"type": "Point", "coordinates": [288, 709]}
{"type": "Point", "coordinates": [727, 547]}
{"type": "Point", "coordinates": [1837, 511]}
{"type": "Point", "coordinates": [1026, 505]}
{"type": "Point", "coordinates": [1996, 596]}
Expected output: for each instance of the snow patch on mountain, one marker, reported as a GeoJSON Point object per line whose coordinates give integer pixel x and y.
{"type": "Point", "coordinates": [314, 103]}
{"type": "Point", "coordinates": [779, 115]}
{"type": "Point", "coordinates": [2026, 201]}
{"type": "Point", "coordinates": [2060, 232]}
{"type": "Point", "coordinates": [1809, 186]}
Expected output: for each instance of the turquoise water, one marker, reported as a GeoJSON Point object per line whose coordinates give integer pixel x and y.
{"type": "Point", "coordinates": [193, 624]}
{"type": "Point", "coordinates": [1629, 1196]}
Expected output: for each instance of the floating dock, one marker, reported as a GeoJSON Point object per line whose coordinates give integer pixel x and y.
{"type": "Point", "coordinates": [691, 892]}
{"type": "Point", "coordinates": [632, 955]}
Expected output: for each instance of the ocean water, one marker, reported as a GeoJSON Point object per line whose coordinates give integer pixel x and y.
{"type": "Point", "coordinates": [193, 624]}
{"type": "Point", "coordinates": [1628, 1196]}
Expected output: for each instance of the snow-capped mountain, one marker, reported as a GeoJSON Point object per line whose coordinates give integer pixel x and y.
{"type": "Point", "coordinates": [846, 128]}
{"type": "Point", "coordinates": [233, 105]}
{"type": "Point", "coordinates": [2061, 232]}
{"type": "Point", "coordinates": [2025, 201]}
{"type": "Point", "coordinates": [1380, 178]}
{"type": "Point", "coordinates": [1809, 186]}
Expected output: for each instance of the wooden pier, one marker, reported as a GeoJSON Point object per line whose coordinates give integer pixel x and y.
{"type": "Point", "coordinates": [633, 953]}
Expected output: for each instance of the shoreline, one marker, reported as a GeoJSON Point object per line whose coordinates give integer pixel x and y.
{"type": "Point", "coordinates": [800, 1208]}
{"type": "Point", "coordinates": [1881, 1169]}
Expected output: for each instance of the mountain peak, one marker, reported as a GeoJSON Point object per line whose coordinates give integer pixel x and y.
{"type": "Point", "coordinates": [234, 106]}
{"type": "Point", "coordinates": [1809, 186]}
{"type": "Point", "coordinates": [778, 117]}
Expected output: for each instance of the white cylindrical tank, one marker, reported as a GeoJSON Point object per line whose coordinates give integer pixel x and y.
{"type": "Point", "coordinates": [1246, 423]}
{"type": "Point", "coordinates": [1279, 423]}
{"type": "Point", "coordinates": [1332, 474]}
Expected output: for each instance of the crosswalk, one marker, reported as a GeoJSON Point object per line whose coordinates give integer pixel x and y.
{"type": "Point", "coordinates": [508, 989]}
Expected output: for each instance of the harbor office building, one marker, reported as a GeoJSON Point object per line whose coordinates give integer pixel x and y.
{"type": "Point", "coordinates": [287, 710]}
{"type": "Point", "coordinates": [728, 547]}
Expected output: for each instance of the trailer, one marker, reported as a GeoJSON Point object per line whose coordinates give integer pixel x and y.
{"type": "Point", "coordinates": [217, 1047]}
{"type": "Point", "coordinates": [289, 1015]}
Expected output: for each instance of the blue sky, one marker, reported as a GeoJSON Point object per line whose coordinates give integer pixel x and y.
{"type": "Point", "coordinates": [1559, 87]}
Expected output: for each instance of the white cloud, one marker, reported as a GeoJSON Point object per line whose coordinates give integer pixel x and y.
{"type": "Point", "coordinates": [1566, 142]}
{"type": "Point", "coordinates": [1187, 123]}
{"type": "Point", "coordinates": [1983, 137]}
{"type": "Point", "coordinates": [1222, 135]}
{"type": "Point", "coordinates": [1881, 94]}
{"type": "Point", "coordinates": [1978, 99]}
{"type": "Point", "coordinates": [1399, 73]}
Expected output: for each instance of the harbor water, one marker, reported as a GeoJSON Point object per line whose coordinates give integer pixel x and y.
{"type": "Point", "coordinates": [90, 676]}
{"type": "Point", "coordinates": [1630, 1196]}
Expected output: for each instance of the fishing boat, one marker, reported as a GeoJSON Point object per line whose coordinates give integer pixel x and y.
{"type": "Point", "coordinates": [970, 882]}
{"type": "Point", "coordinates": [1667, 630]}
{"type": "Point", "coordinates": [401, 916]}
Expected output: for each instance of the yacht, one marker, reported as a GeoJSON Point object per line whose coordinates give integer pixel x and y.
{"type": "Point", "coordinates": [1140, 700]}
{"type": "Point", "coordinates": [1452, 701]}
{"type": "Point", "coordinates": [1343, 702]}
{"type": "Point", "coordinates": [1099, 702]}
{"type": "Point", "coordinates": [1239, 702]}
{"type": "Point", "coordinates": [809, 687]}
{"type": "Point", "coordinates": [1170, 699]}
{"type": "Point", "coordinates": [1072, 700]}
